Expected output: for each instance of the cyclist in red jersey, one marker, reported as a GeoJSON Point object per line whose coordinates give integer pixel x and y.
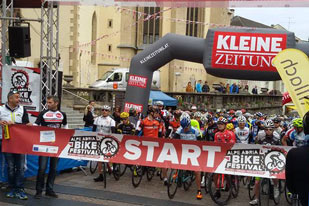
{"type": "Point", "coordinates": [224, 135]}
{"type": "Point", "coordinates": [150, 126]}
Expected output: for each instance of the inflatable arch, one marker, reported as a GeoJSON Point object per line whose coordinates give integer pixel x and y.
{"type": "Point", "coordinates": [242, 53]}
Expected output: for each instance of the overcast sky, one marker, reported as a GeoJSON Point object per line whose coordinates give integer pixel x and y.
{"type": "Point", "coordinates": [298, 18]}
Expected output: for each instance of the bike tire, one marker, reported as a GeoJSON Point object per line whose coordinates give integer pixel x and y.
{"type": "Point", "coordinates": [93, 166]}
{"type": "Point", "coordinates": [245, 180]}
{"type": "Point", "coordinates": [116, 171]}
{"type": "Point", "coordinates": [187, 180]}
{"type": "Point", "coordinates": [251, 186]}
{"type": "Point", "coordinates": [104, 173]}
{"type": "Point", "coordinates": [172, 183]}
{"type": "Point", "coordinates": [207, 179]}
{"type": "Point", "coordinates": [235, 186]}
{"type": "Point", "coordinates": [265, 193]}
{"type": "Point", "coordinates": [286, 194]}
{"type": "Point", "coordinates": [224, 192]}
{"type": "Point", "coordinates": [277, 201]}
{"type": "Point", "coordinates": [150, 172]}
{"type": "Point", "coordinates": [123, 168]}
{"type": "Point", "coordinates": [137, 175]}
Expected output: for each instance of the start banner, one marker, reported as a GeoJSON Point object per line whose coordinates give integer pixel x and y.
{"type": "Point", "coordinates": [235, 159]}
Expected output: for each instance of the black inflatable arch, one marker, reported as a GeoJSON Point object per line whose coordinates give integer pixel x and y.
{"type": "Point", "coordinates": [243, 53]}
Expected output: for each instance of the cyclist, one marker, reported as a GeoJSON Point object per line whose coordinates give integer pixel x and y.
{"type": "Point", "coordinates": [195, 122]}
{"type": "Point", "coordinates": [125, 127]}
{"type": "Point", "coordinates": [296, 134]}
{"type": "Point", "coordinates": [106, 125]}
{"type": "Point", "coordinates": [133, 117]}
{"type": "Point", "coordinates": [277, 123]}
{"type": "Point", "coordinates": [211, 129]}
{"type": "Point", "coordinates": [224, 135]}
{"type": "Point", "coordinates": [150, 126]}
{"type": "Point", "coordinates": [243, 134]}
{"type": "Point", "coordinates": [297, 167]}
{"type": "Point", "coordinates": [187, 132]}
{"type": "Point", "coordinates": [269, 138]}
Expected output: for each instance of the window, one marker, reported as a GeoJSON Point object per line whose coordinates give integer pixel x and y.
{"type": "Point", "coordinates": [94, 37]}
{"type": "Point", "coordinates": [151, 27]}
{"type": "Point", "coordinates": [116, 77]}
{"type": "Point", "coordinates": [109, 47]}
{"type": "Point", "coordinates": [194, 16]}
{"type": "Point", "coordinates": [127, 76]}
{"type": "Point", "coordinates": [110, 23]}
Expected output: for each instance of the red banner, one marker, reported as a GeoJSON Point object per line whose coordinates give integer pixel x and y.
{"type": "Point", "coordinates": [286, 98]}
{"type": "Point", "coordinates": [236, 159]}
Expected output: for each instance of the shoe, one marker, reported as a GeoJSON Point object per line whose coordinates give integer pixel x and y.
{"type": "Point", "coordinates": [217, 194]}
{"type": "Point", "coordinates": [51, 194]}
{"type": "Point", "coordinates": [21, 195]}
{"type": "Point", "coordinates": [199, 195]}
{"type": "Point", "coordinates": [11, 194]}
{"type": "Point", "coordinates": [203, 182]}
{"type": "Point", "coordinates": [99, 178]}
{"type": "Point", "coordinates": [165, 182]}
{"type": "Point", "coordinates": [38, 195]}
{"type": "Point", "coordinates": [276, 192]}
{"type": "Point", "coordinates": [254, 202]}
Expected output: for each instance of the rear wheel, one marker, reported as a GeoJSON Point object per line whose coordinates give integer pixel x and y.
{"type": "Point", "coordinates": [172, 183]}
{"type": "Point", "coordinates": [116, 171]}
{"type": "Point", "coordinates": [220, 188]}
{"type": "Point", "coordinates": [137, 175]}
{"type": "Point", "coordinates": [150, 173]}
{"type": "Point", "coordinates": [250, 186]}
{"type": "Point", "coordinates": [93, 165]}
{"type": "Point", "coordinates": [104, 173]}
{"type": "Point", "coordinates": [287, 195]}
{"type": "Point", "coordinates": [235, 186]}
{"type": "Point", "coordinates": [187, 180]}
{"type": "Point", "coordinates": [264, 192]}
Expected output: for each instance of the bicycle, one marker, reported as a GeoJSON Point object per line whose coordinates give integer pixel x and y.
{"type": "Point", "coordinates": [220, 188]}
{"type": "Point", "coordinates": [266, 192]}
{"type": "Point", "coordinates": [176, 179]}
{"type": "Point", "coordinates": [93, 165]}
{"type": "Point", "coordinates": [138, 173]}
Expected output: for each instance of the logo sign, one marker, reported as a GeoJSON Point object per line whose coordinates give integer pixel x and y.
{"type": "Point", "coordinates": [246, 51]}
{"type": "Point", "coordinates": [275, 161]}
{"type": "Point", "coordinates": [109, 147]}
{"type": "Point", "coordinates": [137, 107]}
{"type": "Point", "coordinates": [137, 81]}
{"type": "Point", "coordinates": [84, 146]}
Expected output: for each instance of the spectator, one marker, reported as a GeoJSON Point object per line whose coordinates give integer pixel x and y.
{"type": "Point", "coordinates": [246, 88]}
{"type": "Point", "coordinates": [222, 87]}
{"type": "Point", "coordinates": [234, 89]}
{"type": "Point", "coordinates": [89, 114]}
{"type": "Point", "coordinates": [205, 87]}
{"type": "Point", "coordinates": [198, 86]}
{"type": "Point", "coordinates": [255, 90]}
{"type": "Point", "coordinates": [227, 88]}
{"type": "Point", "coordinates": [116, 115]}
{"type": "Point", "coordinates": [13, 113]}
{"type": "Point", "coordinates": [189, 88]}
{"type": "Point", "coordinates": [239, 88]}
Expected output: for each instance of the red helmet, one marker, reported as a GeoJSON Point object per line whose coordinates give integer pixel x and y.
{"type": "Point", "coordinates": [231, 112]}
{"type": "Point", "coordinates": [243, 111]}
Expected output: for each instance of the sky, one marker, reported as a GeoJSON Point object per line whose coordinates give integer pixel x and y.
{"type": "Point", "coordinates": [298, 18]}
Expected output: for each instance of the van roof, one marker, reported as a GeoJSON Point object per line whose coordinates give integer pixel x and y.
{"type": "Point", "coordinates": [120, 69]}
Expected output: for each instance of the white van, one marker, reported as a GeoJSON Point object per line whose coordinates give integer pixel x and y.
{"type": "Point", "coordinates": [117, 79]}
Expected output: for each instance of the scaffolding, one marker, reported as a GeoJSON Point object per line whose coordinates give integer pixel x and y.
{"type": "Point", "coordinates": [49, 45]}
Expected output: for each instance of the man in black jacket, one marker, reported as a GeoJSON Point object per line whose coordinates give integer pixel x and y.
{"type": "Point", "coordinates": [297, 167]}
{"type": "Point", "coordinates": [205, 87]}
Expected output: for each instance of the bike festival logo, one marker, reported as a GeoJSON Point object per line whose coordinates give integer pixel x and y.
{"type": "Point", "coordinates": [86, 146]}
{"type": "Point", "coordinates": [275, 161]}
{"type": "Point", "coordinates": [109, 146]}
{"type": "Point", "coordinates": [20, 82]}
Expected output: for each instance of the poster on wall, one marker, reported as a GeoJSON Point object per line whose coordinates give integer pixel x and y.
{"type": "Point", "coordinates": [26, 81]}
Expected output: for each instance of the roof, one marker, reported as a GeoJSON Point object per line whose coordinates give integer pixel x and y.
{"type": "Point", "coordinates": [27, 3]}
{"type": "Point", "coordinates": [161, 96]}
{"type": "Point", "coordinates": [243, 22]}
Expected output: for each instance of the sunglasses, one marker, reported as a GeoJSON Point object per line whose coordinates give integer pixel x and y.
{"type": "Point", "coordinates": [268, 129]}
{"type": "Point", "coordinates": [105, 110]}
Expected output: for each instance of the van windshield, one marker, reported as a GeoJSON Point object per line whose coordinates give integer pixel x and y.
{"type": "Point", "coordinates": [106, 75]}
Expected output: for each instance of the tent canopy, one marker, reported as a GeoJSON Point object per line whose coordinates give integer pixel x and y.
{"type": "Point", "coordinates": [161, 96]}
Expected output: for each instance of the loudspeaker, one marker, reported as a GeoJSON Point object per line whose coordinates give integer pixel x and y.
{"type": "Point", "coordinates": [19, 41]}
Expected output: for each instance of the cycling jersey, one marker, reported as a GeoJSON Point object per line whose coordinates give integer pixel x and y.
{"type": "Point", "coordinates": [225, 137]}
{"type": "Point", "coordinates": [54, 119]}
{"type": "Point", "coordinates": [297, 138]}
{"type": "Point", "coordinates": [243, 135]}
{"type": "Point", "coordinates": [263, 139]}
{"type": "Point", "coordinates": [104, 124]}
{"type": "Point", "coordinates": [209, 133]}
{"type": "Point", "coordinates": [278, 130]}
{"type": "Point", "coordinates": [150, 127]}
{"type": "Point", "coordinates": [126, 128]}
{"type": "Point", "coordinates": [191, 134]}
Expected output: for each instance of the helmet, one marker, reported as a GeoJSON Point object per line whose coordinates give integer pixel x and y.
{"type": "Point", "coordinates": [185, 120]}
{"type": "Point", "coordinates": [106, 107]}
{"type": "Point", "coordinates": [159, 103]}
{"type": "Point", "coordinates": [222, 120]}
{"type": "Point", "coordinates": [277, 120]}
{"type": "Point", "coordinates": [241, 119]}
{"type": "Point", "coordinates": [298, 122]}
{"type": "Point", "coordinates": [247, 115]}
{"type": "Point", "coordinates": [259, 114]}
{"type": "Point", "coordinates": [193, 107]}
{"type": "Point", "coordinates": [243, 110]}
{"type": "Point", "coordinates": [204, 119]}
{"type": "Point", "coordinates": [230, 126]}
{"type": "Point", "coordinates": [197, 114]}
{"type": "Point", "coordinates": [306, 123]}
{"type": "Point", "coordinates": [238, 113]}
{"type": "Point", "coordinates": [231, 111]}
{"type": "Point", "coordinates": [124, 115]}
{"type": "Point", "coordinates": [269, 124]}
{"type": "Point", "coordinates": [218, 110]}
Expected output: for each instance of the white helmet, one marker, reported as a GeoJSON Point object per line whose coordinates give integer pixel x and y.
{"type": "Point", "coordinates": [193, 107]}
{"type": "Point", "coordinates": [106, 107]}
{"type": "Point", "coordinates": [269, 124]}
{"type": "Point", "coordinates": [197, 114]}
{"type": "Point", "coordinates": [159, 103]}
{"type": "Point", "coordinates": [238, 113]}
{"type": "Point", "coordinates": [241, 119]}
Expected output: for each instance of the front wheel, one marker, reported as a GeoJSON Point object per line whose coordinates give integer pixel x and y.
{"type": "Point", "coordinates": [93, 165]}
{"type": "Point", "coordinates": [172, 183]}
{"type": "Point", "coordinates": [137, 175]}
{"type": "Point", "coordinates": [220, 188]}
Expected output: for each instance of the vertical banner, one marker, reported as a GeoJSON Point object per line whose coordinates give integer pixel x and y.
{"type": "Point", "coordinates": [25, 80]}
{"type": "Point", "coordinates": [292, 65]}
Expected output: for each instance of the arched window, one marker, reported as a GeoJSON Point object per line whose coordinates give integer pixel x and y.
{"type": "Point", "coordinates": [94, 37]}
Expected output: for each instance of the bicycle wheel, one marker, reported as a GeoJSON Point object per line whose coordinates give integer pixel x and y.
{"type": "Point", "coordinates": [235, 186]}
{"type": "Point", "coordinates": [150, 172]}
{"type": "Point", "coordinates": [187, 180]}
{"type": "Point", "coordinates": [277, 200]}
{"type": "Point", "coordinates": [93, 165]}
{"type": "Point", "coordinates": [287, 195]}
{"type": "Point", "coordinates": [219, 187]}
{"type": "Point", "coordinates": [207, 179]}
{"type": "Point", "coordinates": [251, 188]}
{"type": "Point", "coordinates": [172, 183]}
{"type": "Point", "coordinates": [265, 193]}
{"type": "Point", "coordinates": [104, 167]}
{"type": "Point", "coordinates": [137, 175]}
{"type": "Point", "coordinates": [245, 180]}
{"type": "Point", "coordinates": [116, 171]}
{"type": "Point", "coordinates": [122, 169]}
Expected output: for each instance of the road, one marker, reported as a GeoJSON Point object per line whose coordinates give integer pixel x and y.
{"type": "Point", "coordinates": [77, 189]}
